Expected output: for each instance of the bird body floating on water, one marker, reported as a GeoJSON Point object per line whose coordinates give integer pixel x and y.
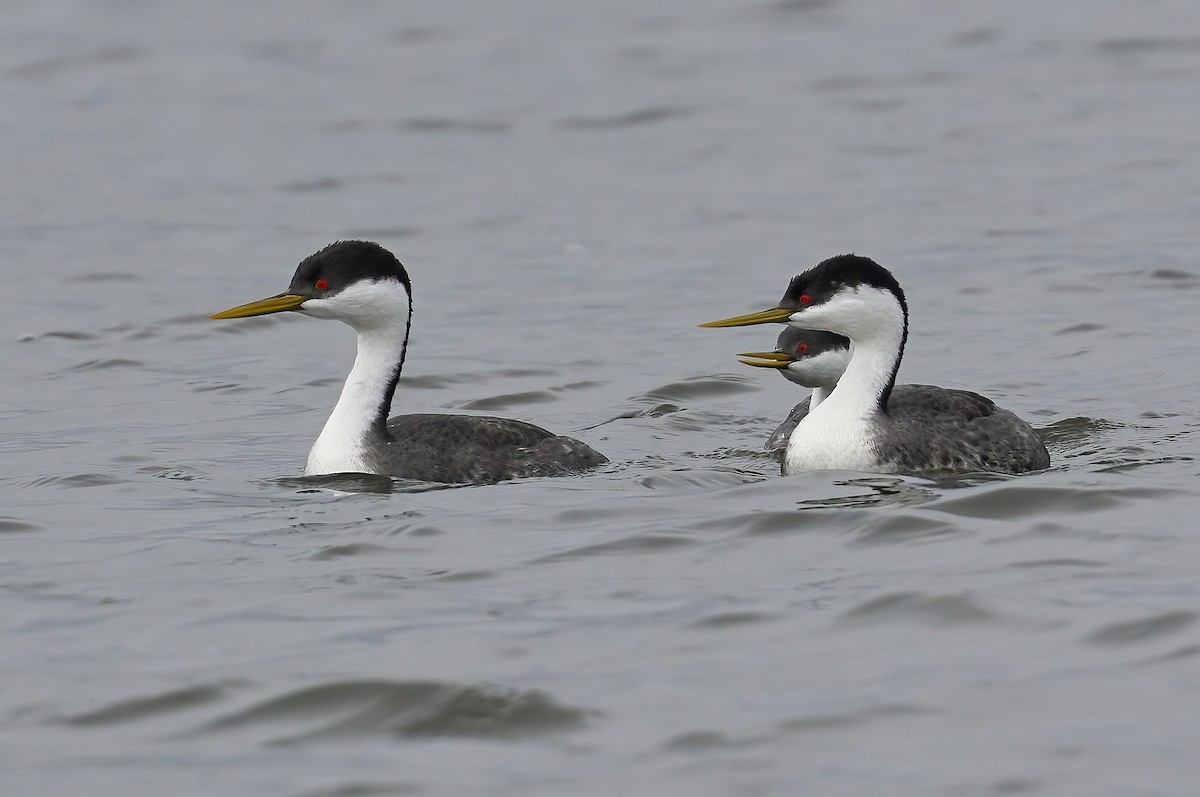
{"type": "Point", "coordinates": [817, 360]}
{"type": "Point", "coordinates": [362, 284]}
{"type": "Point", "coordinates": [810, 358]}
{"type": "Point", "coordinates": [861, 420]}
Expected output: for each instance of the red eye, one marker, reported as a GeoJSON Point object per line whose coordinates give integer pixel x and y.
{"type": "Point", "coordinates": [805, 299]}
{"type": "Point", "coordinates": [803, 347]}
{"type": "Point", "coordinates": [322, 284]}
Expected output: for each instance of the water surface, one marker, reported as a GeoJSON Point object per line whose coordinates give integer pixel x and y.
{"type": "Point", "coordinates": [573, 188]}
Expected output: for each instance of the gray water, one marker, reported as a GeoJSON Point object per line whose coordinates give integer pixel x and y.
{"type": "Point", "coordinates": [573, 187]}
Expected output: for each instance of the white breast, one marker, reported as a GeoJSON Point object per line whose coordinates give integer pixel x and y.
{"type": "Point", "coordinates": [336, 451]}
{"type": "Point", "coordinates": [830, 440]}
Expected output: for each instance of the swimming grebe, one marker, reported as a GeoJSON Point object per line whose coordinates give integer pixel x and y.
{"type": "Point", "coordinates": [854, 427]}
{"type": "Point", "coordinates": [364, 285]}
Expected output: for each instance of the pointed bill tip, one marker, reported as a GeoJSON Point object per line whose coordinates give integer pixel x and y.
{"type": "Point", "coordinates": [766, 359]}
{"type": "Point", "coordinates": [272, 304]}
{"type": "Point", "coordinates": [776, 315]}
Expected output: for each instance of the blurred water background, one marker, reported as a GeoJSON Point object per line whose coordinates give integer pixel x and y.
{"type": "Point", "coordinates": [573, 187]}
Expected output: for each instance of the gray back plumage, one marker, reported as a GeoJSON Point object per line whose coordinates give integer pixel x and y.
{"type": "Point", "coordinates": [474, 449]}
{"type": "Point", "coordinates": [936, 429]}
{"type": "Point", "coordinates": [929, 428]}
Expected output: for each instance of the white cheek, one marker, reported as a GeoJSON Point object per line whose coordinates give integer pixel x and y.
{"type": "Point", "coordinates": [808, 317]}
{"type": "Point", "coordinates": [315, 308]}
{"type": "Point", "coordinates": [799, 376]}
{"type": "Point", "coordinates": [843, 314]}
{"type": "Point", "coordinates": [820, 370]}
{"type": "Point", "coordinates": [362, 305]}
{"type": "Point", "coordinates": [832, 364]}
{"type": "Point", "coordinates": [335, 306]}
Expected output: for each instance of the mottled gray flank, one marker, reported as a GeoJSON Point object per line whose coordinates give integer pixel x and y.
{"type": "Point", "coordinates": [936, 429]}
{"type": "Point", "coordinates": [475, 449]}
{"type": "Point", "coordinates": [929, 429]}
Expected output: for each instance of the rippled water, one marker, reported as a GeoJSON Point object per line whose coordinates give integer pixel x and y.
{"type": "Point", "coordinates": [573, 188]}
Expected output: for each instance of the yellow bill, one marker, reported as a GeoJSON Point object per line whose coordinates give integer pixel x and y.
{"type": "Point", "coordinates": [776, 315]}
{"type": "Point", "coordinates": [272, 304]}
{"type": "Point", "coordinates": [767, 359]}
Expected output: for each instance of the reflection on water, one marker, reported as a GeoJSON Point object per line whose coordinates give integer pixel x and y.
{"type": "Point", "coordinates": [882, 491]}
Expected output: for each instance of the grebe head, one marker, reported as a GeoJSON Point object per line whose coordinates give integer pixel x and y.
{"type": "Point", "coordinates": [807, 357]}
{"type": "Point", "coordinates": [849, 295]}
{"type": "Point", "coordinates": [357, 282]}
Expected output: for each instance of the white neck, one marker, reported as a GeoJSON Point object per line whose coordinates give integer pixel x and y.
{"type": "Point", "coordinates": [820, 372]}
{"type": "Point", "coordinates": [342, 445]}
{"type": "Point", "coordinates": [841, 431]}
{"type": "Point", "coordinates": [819, 394]}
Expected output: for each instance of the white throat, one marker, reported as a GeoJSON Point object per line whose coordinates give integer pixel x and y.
{"type": "Point", "coordinates": [819, 394]}
{"type": "Point", "coordinates": [820, 372]}
{"type": "Point", "coordinates": [382, 323]}
{"type": "Point", "coordinates": [842, 430]}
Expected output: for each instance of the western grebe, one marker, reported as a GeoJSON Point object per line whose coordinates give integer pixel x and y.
{"type": "Point", "coordinates": [810, 358]}
{"type": "Point", "coordinates": [817, 360]}
{"type": "Point", "coordinates": [855, 426]}
{"type": "Point", "coordinates": [364, 285]}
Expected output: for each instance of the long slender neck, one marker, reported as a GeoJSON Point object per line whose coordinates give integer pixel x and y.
{"type": "Point", "coordinates": [818, 372]}
{"type": "Point", "coordinates": [385, 405]}
{"type": "Point", "coordinates": [898, 343]}
{"type": "Point", "coordinates": [361, 414]}
{"type": "Point", "coordinates": [866, 386]}
{"type": "Point", "coordinates": [366, 399]}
